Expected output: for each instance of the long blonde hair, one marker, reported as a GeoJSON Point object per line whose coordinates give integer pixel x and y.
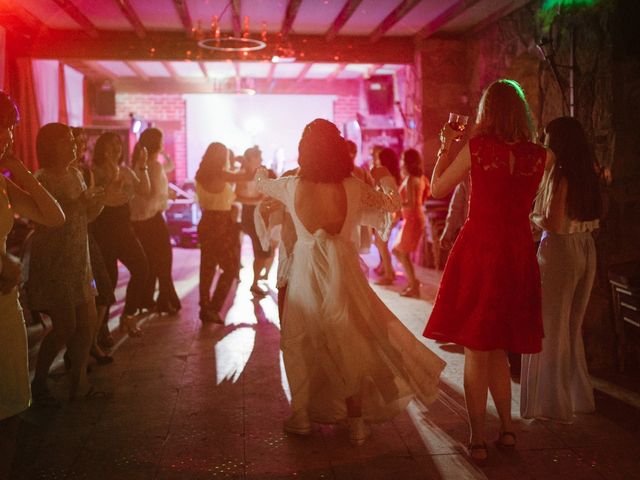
{"type": "Point", "coordinates": [504, 112]}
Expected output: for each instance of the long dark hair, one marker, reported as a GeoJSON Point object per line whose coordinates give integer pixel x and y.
{"type": "Point", "coordinates": [322, 153]}
{"type": "Point", "coordinates": [575, 162]}
{"type": "Point", "coordinates": [100, 147]}
{"type": "Point", "coordinates": [412, 162]}
{"type": "Point", "coordinates": [389, 159]}
{"type": "Point", "coordinates": [214, 160]}
{"type": "Point", "coordinates": [151, 139]}
{"type": "Point", "coordinates": [46, 142]}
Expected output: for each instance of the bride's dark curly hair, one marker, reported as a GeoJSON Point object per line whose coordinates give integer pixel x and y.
{"type": "Point", "coordinates": [323, 154]}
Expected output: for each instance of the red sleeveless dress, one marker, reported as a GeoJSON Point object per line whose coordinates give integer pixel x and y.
{"type": "Point", "coordinates": [489, 296]}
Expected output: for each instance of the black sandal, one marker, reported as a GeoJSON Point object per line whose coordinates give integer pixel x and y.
{"type": "Point", "coordinates": [475, 447]}
{"type": "Point", "coordinates": [500, 440]}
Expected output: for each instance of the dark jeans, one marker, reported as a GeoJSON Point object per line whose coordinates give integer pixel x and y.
{"type": "Point", "coordinates": [154, 238]}
{"type": "Point", "coordinates": [219, 248]}
{"type": "Point", "coordinates": [121, 243]}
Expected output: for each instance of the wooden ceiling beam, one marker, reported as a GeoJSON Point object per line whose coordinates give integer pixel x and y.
{"type": "Point", "coordinates": [185, 16]}
{"type": "Point", "coordinates": [394, 17]}
{"type": "Point", "coordinates": [102, 72]}
{"type": "Point", "coordinates": [137, 70]}
{"type": "Point", "coordinates": [272, 71]}
{"type": "Point", "coordinates": [173, 45]}
{"type": "Point", "coordinates": [170, 69]}
{"type": "Point", "coordinates": [12, 15]}
{"type": "Point", "coordinates": [203, 69]}
{"type": "Point", "coordinates": [132, 16]}
{"type": "Point", "coordinates": [303, 72]}
{"type": "Point", "coordinates": [74, 12]}
{"type": "Point", "coordinates": [343, 17]}
{"type": "Point", "coordinates": [445, 17]}
{"type": "Point", "coordinates": [339, 69]}
{"type": "Point", "coordinates": [80, 66]}
{"type": "Point", "coordinates": [236, 18]}
{"type": "Point", "coordinates": [350, 87]}
{"type": "Point", "coordinates": [238, 77]}
{"type": "Point", "coordinates": [289, 17]}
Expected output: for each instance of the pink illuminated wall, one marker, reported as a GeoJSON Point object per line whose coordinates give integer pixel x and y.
{"type": "Point", "coordinates": [168, 111]}
{"type": "Point", "coordinates": [273, 122]}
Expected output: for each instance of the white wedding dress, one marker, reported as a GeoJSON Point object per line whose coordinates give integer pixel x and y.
{"type": "Point", "coordinates": [339, 338]}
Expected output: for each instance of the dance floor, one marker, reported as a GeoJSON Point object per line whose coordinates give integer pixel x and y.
{"type": "Point", "coordinates": [193, 401]}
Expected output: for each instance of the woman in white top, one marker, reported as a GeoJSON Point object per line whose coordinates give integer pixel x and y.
{"type": "Point", "coordinates": [217, 230]}
{"type": "Point", "coordinates": [26, 197]}
{"type": "Point", "coordinates": [555, 382]}
{"type": "Point", "coordinates": [151, 227]}
{"type": "Point", "coordinates": [347, 357]}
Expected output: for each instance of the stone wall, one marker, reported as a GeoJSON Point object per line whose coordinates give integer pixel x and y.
{"type": "Point", "coordinates": [443, 67]}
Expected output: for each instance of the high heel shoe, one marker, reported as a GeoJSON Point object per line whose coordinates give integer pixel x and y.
{"type": "Point", "coordinates": [167, 308]}
{"type": "Point", "coordinates": [101, 358]}
{"type": "Point", "coordinates": [411, 291]}
{"type": "Point", "coordinates": [128, 324]}
{"type": "Point", "coordinates": [478, 452]}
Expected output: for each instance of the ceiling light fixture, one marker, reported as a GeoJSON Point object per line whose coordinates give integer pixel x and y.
{"type": "Point", "coordinates": [229, 44]}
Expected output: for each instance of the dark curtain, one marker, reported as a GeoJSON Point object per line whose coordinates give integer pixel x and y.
{"type": "Point", "coordinates": [22, 89]}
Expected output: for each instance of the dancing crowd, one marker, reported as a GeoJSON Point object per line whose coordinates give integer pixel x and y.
{"type": "Point", "coordinates": [347, 357]}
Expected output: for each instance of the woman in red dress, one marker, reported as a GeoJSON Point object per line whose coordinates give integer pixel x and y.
{"type": "Point", "coordinates": [489, 296]}
{"type": "Point", "coordinates": [412, 191]}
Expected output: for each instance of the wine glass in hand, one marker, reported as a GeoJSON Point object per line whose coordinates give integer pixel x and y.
{"type": "Point", "coordinates": [458, 123]}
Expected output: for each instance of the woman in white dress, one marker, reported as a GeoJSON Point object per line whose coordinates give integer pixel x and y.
{"type": "Point", "coordinates": [555, 382]}
{"type": "Point", "coordinates": [346, 355]}
{"type": "Point", "coordinates": [33, 201]}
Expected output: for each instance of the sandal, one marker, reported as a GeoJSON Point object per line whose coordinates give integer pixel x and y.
{"type": "Point", "coordinates": [129, 324]}
{"type": "Point", "coordinates": [412, 291]}
{"type": "Point", "coordinates": [481, 448]}
{"type": "Point", "coordinates": [500, 443]}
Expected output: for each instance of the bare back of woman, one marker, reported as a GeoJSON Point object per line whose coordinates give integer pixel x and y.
{"type": "Point", "coordinates": [328, 214]}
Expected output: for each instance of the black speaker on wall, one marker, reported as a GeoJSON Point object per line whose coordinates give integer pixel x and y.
{"type": "Point", "coordinates": [104, 99]}
{"type": "Point", "coordinates": [379, 93]}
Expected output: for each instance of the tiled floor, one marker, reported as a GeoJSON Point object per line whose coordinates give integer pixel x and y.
{"type": "Point", "coordinates": [189, 401]}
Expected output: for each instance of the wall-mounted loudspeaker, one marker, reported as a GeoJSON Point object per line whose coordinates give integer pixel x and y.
{"type": "Point", "coordinates": [104, 99]}
{"type": "Point", "coordinates": [379, 93]}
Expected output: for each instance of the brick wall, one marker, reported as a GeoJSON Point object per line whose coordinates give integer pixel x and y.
{"type": "Point", "coordinates": [167, 111]}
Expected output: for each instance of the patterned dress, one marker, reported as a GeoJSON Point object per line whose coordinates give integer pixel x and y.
{"type": "Point", "coordinates": [59, 269]}
{"type": "Point", "coordinates": [489, 296]}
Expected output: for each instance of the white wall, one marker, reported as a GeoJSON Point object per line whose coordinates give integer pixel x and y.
{"type": "Point", "coordinates": [273, 122]}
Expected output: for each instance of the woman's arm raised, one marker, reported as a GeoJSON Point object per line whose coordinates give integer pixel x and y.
{"type": "Point", "coordinates": [31, 199]}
